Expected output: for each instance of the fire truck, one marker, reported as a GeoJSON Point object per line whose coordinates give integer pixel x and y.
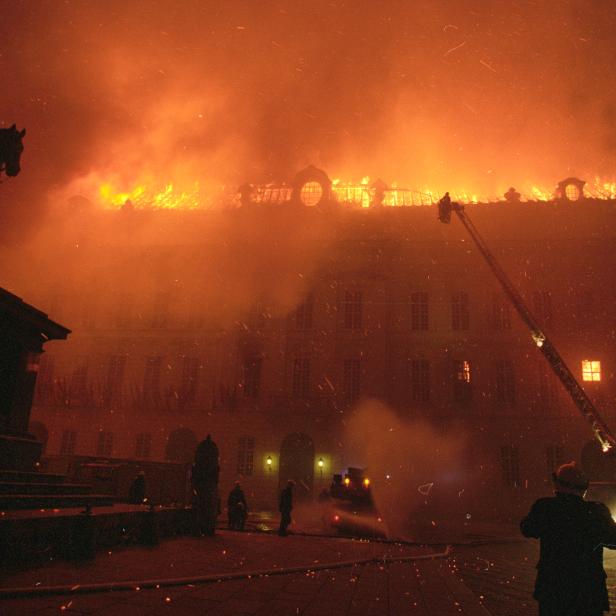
{"type": "Point", "coordinates": [348, 506]}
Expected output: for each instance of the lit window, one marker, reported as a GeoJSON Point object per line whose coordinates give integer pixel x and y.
{"type": "Point", "coordinates": [311, 193]}
{"type": "Point", "coordinates": [591, 370]}
{"type": "Point", "coordinates": [572, 192]}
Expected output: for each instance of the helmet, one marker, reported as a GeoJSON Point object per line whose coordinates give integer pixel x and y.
{"type": "Point", "coordinates": [570, 476]}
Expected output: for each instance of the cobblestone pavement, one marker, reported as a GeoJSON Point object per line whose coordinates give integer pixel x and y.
{"type": "Point", "coordinates": [383, 588]}
{"type": "Point", "coordinates": [503, 575]}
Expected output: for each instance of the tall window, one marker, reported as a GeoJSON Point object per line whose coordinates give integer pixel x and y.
{"type": "Point", "coordinates": [462, 389]}
{"type": "Point", "coordinates": [245, 455]}
{"type": "Point", "coordinates": [104, 446]}
{"type": "Point", "coordinates": [505, 381]}
{"type": "Point", "coordinates": [419, 310]}
{"type": "Point", "coordinates": [190, 378]}
{"type": "Point", "coordinates": [420, 380]}
{"type": "Point", "coordinates": [459, 311]}
{"type": "Point", "coordinates": [301, 377]}
{"type": "Point", "coordinates": [151, 380]}
{"type": "Point", "coordinates": [501, 315]}
{"type": "Point", "coordinates": [143, 445]}
{"type": "Point", "coordinates": [112, 390]}
{"type": "Point", "coordinates": [554, 456]}
{"type": "Point", "coordinates": [352, 378]}
{"type": "Point", "coordinates": [542, 303]}
{"type": "Point", "coordinates": [510, 465]}
{"type": "Point", "coordinates": [591, 370]}
{"type": "Point", "coordinates": [353, 308]}
{"type": "Point", "coordinates": [69, 440]}
{"type": "Point", "coordinates": [78, 389]}
{"type": "Point", "coordinates": [252, 377]}
{"type": "Point", "coordinates": [303, 314]}
{"type": "Point", "coordinates": [547, 393]}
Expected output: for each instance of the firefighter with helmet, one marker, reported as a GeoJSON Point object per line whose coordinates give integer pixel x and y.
{"type": "Point", "coordinates": [572, 533]}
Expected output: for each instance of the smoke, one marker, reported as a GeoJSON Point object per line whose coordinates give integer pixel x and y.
{"type": "Point", "coordinates": [428, 94]}
{"type": "Point", "coordinates": [415, 468]}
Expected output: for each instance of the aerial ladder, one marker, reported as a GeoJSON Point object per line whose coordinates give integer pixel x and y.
{"type": "Point", "coordinates": [585, 405]}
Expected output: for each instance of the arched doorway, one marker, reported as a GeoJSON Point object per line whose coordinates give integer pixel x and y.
{"type": "Point", "coordinates": [181, 445]}
{"type": "Point", "coordinates": [297, 463]}
{"type": "Point", "coordinates": [39, 430]}
{"type": "Point", "coordinates": [597, 465]}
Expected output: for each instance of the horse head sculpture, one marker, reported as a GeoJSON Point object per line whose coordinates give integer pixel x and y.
{"type": "Point", "coordinates": [11, 147]}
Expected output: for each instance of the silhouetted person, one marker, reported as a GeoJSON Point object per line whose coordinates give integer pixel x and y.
{"type": "Point", "coordinates": [570, 575]}
{"type": "Point", "coordinates": [444, 208]}
{"type": "Point", "coordinates": [237, 509]}
{"type": "Point", "coordinates": [512, 195]}
{"type": "Point", "coordinates": [136, 492]}
{"type": "Point", "coordinates": [285, 507]}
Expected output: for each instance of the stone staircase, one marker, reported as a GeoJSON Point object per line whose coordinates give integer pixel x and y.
{"type": "Point", "coordinates": [34, 490]}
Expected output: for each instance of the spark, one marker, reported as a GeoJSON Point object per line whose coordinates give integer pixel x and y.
{"type": "Point", "coordinates": [454, 49]}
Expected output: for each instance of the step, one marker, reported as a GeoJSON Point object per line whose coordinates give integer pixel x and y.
{"type": "Point", "coordinates": [30, 476]}
{"type": "Point", "coordinates": [53, 501]}
{"type": "Point", "coordinates": [31, 488]}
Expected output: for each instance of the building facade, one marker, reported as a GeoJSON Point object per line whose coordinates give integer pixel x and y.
{"type": "Point", "coordinates": [338, 307]}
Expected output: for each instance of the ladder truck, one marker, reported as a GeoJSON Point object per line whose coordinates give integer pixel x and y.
{"type": "Point", "coordinates": [585, 405]}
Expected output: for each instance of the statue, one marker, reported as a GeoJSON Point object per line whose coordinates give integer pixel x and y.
{"type": "Point", "coordinates": [205, 501]}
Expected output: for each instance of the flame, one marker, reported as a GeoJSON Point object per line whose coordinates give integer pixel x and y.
{"type": "Point", "coordinates": [114, 192]}
{"type": "Point", "coordinates": [167, 197]}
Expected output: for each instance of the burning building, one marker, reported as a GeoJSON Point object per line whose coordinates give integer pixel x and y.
{"type": "Point", "coordinates": [270, 323]}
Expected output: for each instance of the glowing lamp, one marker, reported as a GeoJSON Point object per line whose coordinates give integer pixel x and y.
{"type": "Point", "coordinates": [366, 482]}
{"type": "Point", "coordinates": [321, 463]}
{"type": "Point", "coordinates": [347, 481]}
{"type": "Point", "coordinates": [268, 461]}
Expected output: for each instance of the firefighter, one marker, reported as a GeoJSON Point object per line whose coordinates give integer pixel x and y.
{"type": "Point", "coordinates": [444, 208]}
{"type": "Point", "coordinates": [572, 533]}
{"type": "Point", "coordinates": [285, 507]}
{"type": "Point", "coordinates": [237, 508]}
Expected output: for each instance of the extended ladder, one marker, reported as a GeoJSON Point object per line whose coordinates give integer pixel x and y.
{"type": "Point", "coordinates": [560, 368]}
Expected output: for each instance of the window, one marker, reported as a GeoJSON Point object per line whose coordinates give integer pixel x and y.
{"type": "Point", "coordinates": [105, 443]}
{"type": "Point", "coordinates": [420, 380]}
{"type": "Point", "coordinates": [462, 390]}
{"type": "Point", "coordinates": [501, 317]}
{"type": "Point", "coordinates": [352, 378]}
{"type": "Point", "coordinates": [78, 390]}
{"type": "Point", "coordinates": [542, 302]}
{"type": "Point", "coordinates": [419, 311]}
{"type": "Point", "coordinates": [303, 314]}
{"type": "Point", "coordinates": [151, 380]}
{"type": "Point", "coordinates": [510, 465]}
{"type": "Point", "coordinates": [459, 311]}
{"type": "Point", "coordinates": [505, 382]}
{"type": "Point", "coordinates": [69, 440]}
{"type": "Point", "coordinates": [190, 378]}
{"type": "Point", "coordinates": [245, 455]}
{"type": "Point", "coordinates": [301, 377]}
{"type": "Point", "coordinates": [143, 445]}
{"type": "Point", "coordinates": [555, 456]}
{"type": "Point", "coordinates": [115, 376]}
{"type": "Point", "coordinates": [547, 393]}
{"type": "Point", "coordinates": [252, 377]}
{"type": "Point", "coordinates": [353, 310]}
{"type": "Point", "coordinates": [591, 370]}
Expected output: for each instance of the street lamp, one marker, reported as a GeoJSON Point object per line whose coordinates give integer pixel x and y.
{"type": "Point", "coordinates": [321, 463]}
{"type": "Point", "coordinates": [268, 461]}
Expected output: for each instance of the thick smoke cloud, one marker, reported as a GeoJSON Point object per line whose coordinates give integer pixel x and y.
{"type": "Point", "coordinates": [477, 95]}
